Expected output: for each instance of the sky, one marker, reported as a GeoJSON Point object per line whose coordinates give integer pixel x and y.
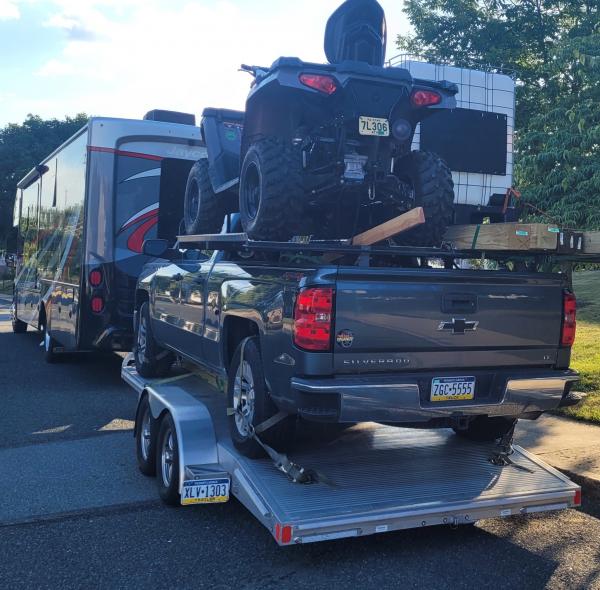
{"type": "Point", "coordinates": [123, 58]}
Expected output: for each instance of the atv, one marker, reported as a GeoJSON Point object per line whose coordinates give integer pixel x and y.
{"type": "Point", "coordinates": [325, 150]}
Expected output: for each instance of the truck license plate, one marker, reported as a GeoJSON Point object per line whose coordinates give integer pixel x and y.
{"type": "Point", "coordinates": [448, 389]}
{"type": "Point", "coordinates": [205, 491]}
{"type": "Point", "coordinates": [373, 126]}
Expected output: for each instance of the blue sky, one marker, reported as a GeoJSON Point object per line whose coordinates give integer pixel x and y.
{"type": "Point", "coordinates": [124, 57]}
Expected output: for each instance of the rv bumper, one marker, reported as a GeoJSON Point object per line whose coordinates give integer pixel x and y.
{"type": "Point", "coordinates": [114, 338]}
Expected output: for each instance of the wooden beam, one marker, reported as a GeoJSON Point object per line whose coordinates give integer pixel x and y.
{"type": "Point", "coordinates": [504, 236]}
{"type": "Point", "coordinates": [591, 242]}
{"type": "Point", "coordinates": [390, 228]}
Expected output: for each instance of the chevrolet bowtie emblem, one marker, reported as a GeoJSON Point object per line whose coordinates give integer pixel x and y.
{"type": "Point", "coordinates": [458, 326]}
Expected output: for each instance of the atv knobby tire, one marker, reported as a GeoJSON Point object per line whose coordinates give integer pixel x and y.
{"type": "Point", "coordinates": [433, 187]}
{"type": "Point", "coordinates": [271, 191]}
{"type": "Point", "coordinates": [203, 210]}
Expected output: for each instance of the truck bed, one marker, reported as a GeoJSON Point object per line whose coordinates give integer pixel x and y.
{"type": "Point", "coordinates": [379, 478]}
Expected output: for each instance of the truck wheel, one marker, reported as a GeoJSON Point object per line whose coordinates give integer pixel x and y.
{"type": "Point", "coordinates": [431, 181]}
{"type": "Point", "coordinates": [145, 442]}
{"type": "Point", "coordinates": [247, 390]}
{"type": "Point", "coordinates": [167, 462]}
{"type": "Point", "coordinates": [18, 326]}
{"type": "Point", "coordinates": [271, 190]}
{"type": "Point", "coordinates": [203, 210]}
{"type": "Point", "coordinates": [487, 429]}
{"type": "Point", "coordinates": [150, 359]}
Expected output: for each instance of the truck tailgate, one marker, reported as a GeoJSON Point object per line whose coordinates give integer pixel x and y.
{"type": "Point", "coordinates": [390, 319]}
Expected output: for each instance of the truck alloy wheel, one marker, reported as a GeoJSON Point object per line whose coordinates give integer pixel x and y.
{"type": "Point", "coordinates": [243, 398]}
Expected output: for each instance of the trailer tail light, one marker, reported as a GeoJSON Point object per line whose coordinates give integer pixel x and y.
{"type": "Point", "coordinates": [97, 304]}
{"type": "Point", "coordinates": [425, 98]}
{"type": "Point", "coordinates": [283, 533]}
{"type": "Point", "coordinates": [324, 84]}
{"type": "Point", "coordinates": [96, 278]}
{"type": "Point", "coordinates": [569, 324]}
{"type": "Point", "coordinates": [313, 319]}
{"type": "Point", "coordinates": [577, 498]}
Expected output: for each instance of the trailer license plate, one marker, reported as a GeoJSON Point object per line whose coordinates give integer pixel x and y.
{"type": "Point", "coordinates": [447, 389]}
{"type": "Point", "coordinates": [374, 126]}
{"type": "Point", "coordinates": [205, 491]}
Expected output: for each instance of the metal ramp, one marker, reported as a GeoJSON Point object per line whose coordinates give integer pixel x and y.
{"type": "Point", "coordinates": [380, 478]}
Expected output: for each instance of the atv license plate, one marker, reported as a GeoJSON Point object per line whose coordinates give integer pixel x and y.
{"type": "Point", "coordinates": [374, 126]}
{"type": "Point", "coordinates": [449, 389]}
{"type": "Point", "coordinates": [205, 491]}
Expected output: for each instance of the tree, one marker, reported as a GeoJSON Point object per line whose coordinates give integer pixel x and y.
{"type": "Point", "coordinates": [22, 147]}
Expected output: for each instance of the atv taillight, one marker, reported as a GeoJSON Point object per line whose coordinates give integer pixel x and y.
{"type": "Point", "coordinates": [569, 324]}
{"type": "Point", "coordinates": [325, 84]}
{"type": "Point", "coordinates": [313, 319]}
{"type": "Point", "coordinates": [425, 98]}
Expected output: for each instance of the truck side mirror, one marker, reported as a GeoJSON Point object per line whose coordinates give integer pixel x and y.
{"type": "Point", "coordinates": [155, 248]}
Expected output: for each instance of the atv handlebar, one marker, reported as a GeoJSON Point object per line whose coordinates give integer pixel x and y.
{"type": "Point", "coordinates": [256, 71]}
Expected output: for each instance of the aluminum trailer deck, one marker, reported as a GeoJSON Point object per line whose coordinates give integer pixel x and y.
{"type": "Point", "coordinates": [379, 478]}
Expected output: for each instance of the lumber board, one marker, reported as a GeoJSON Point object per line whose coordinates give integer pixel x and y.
{"type": "Point", "coordinates": [390, 228]}
{"type": "Point", "coordinates": [591, 242]}
{"type": "Point", "coordinates": [504, 236]}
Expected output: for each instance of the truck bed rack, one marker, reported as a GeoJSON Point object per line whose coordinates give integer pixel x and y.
{"type": "Point", "coordinates": [379, 478]}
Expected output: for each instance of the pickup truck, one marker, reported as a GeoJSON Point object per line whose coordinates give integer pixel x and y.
{"type": "Point", "coordinates": [327, 339]}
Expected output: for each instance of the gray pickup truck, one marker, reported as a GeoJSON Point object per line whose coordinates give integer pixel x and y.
{"type": "Point", "coordinates": [332, 339]}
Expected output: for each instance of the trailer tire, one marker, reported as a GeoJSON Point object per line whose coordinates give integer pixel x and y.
{"type": "Point", "coordinates": [203, 210]}
{"type": "Point", "coordinates": [167, 462]}
{"type": "Point", "coordinates": [256, 403]}
{"type": "Point", "coordinates": [145, 439]}
{"type": "Point", "coordinates": [18, 326]}
{"type": "Point", "coordinates": [271, 191]}
{"type": "Point", "coordinates": [150, 359]}
{"type": "Point", "coordinates": [487, 428]}
{"type": "Point", "coordinates": [431, 180]}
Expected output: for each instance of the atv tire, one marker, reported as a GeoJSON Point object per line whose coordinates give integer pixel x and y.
{"type": "Point", "coordinates": [433, 187]}
{"type": "Point", "coordinates": [271, 191]}
{"type": "Point", "coordinates": [203, 210]}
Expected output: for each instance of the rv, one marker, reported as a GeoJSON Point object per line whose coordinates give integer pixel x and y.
{"type": "Point", "coordinates": [82, 217]}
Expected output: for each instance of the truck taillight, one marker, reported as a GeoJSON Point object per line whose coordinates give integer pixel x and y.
{"type": "Point", "coordinates": [313, 319]}
{"type": "Point", "coordinates": [569, 324]}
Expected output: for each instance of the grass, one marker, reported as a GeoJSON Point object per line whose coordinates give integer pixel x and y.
{"type": "Point", "coordinates": [586, 352]}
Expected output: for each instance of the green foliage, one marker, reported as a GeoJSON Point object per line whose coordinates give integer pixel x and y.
{"type": "Point", "coordinates": [22, 147]}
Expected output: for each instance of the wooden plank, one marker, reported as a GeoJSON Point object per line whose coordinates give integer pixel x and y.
{"type": "Point", "coordinates": [390, 228]}
{"type": "Point", "coordinates": [504, 236]}
{"type": "Point", "coordinates": [591, 242]}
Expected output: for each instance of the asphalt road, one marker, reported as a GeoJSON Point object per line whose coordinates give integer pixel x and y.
{"type": "Point", "coordinates": [75, 513]}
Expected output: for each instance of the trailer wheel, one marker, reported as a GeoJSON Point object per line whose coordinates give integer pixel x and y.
{"type": "Point", "coordinates": [271, 191]}
{"type": "Point", "coordinates": [18, 326]}
{"type": "Point", "coordinates": [486, 428]}
{"type": "Point", "coordinates": [247, 390]}
{"type": "Point", "coordinates": [203, 211]}
{"type": "Point", "coordinates": [145, 441]}
{"type": "Point", "coordinates": [167, 462]}
{"type": "Point", "coordinates": [150, 359]}
{"type": "Point", "coordinates": [431, 181]}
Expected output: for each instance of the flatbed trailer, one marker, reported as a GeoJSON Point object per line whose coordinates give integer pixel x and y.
{"type": "Point", "coordinates": [369, 479]}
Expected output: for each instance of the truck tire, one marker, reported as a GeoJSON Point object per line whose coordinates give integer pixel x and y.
{"type": "Point", "coordinates": [486, 428]}
{"type": "Point", "coordinates": [145, 441]}
{"type": "Point", "coordinates": [203, 210]}
{"type": "Point", "coordinates": [271, 191]}
{"type": "Point", "coordinates": [431, 181]}
{"type": "Point", "coordinates": [246, 387]}
{"type": "Point", "coordinates": [18, 326]}
{"type": "Point", "coordinates": [167, 462]}
{"type": "Point", "coordinates": [150, 359]}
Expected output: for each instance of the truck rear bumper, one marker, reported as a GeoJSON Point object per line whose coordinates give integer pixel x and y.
{"type": "Point", "coordinates": [405, 398]}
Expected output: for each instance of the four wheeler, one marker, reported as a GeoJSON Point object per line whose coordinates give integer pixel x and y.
{"type": "Point", "coordinates": [325, 150]}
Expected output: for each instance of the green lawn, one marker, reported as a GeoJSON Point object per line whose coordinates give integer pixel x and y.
{"type": "Point", "coordinates": [586, 352]}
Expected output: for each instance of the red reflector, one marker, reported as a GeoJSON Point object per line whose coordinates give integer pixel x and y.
{"type": "Point", "coordinates": [313, 319]}
{"type": "Point", "coordinates": [286, 534]}
{"type": "Point", "coordinates": [96, 278]}
{"type": "Point", "coordinates": [425, 98]}
{"type": "Point", "coordinates": [97, 304]}
{"type": "Point", "coordinates": [577, 498]}
{"type": "Point", "coordinates": [325, 84]}
{"type": "Point", "coordinates": [569, 325]}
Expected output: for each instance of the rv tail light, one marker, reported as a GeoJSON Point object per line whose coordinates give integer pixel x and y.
{"type": "Point", "coordinates": [313, 319]}
{"type": "Point", "coordinates": [569, 324]}
{"type": "Point", "coordinates": [324, 84]}
{"type": "Point", "coordinates": [425, 98]}
{"type": "Point", "coordinates": [97, 304]}
{"type": "Point", "coordinates": [96, 278]}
